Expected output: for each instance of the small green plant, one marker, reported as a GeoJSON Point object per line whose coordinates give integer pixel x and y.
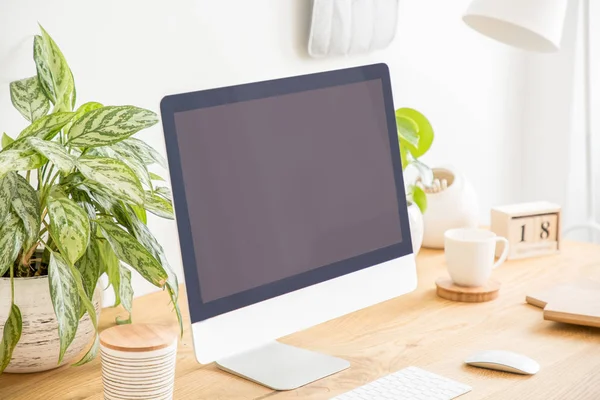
{"type": "Point", "coordinates": [416, 136]}
{"type": "Point", "coordinates": [74, 191]}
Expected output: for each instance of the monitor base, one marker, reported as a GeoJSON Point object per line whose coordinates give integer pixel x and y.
{"type": "Point", "coordinates": [282, 367]}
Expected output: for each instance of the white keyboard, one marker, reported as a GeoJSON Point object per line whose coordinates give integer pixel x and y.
{"type": "Point", "coordinates": [410, 383]}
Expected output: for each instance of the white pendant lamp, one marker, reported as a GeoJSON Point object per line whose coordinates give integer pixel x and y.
{"type": "Point", "coordinates": [533, 25]}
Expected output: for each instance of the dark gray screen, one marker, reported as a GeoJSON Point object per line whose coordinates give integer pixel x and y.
{"type": "Point", "coordinates": [287, 184]}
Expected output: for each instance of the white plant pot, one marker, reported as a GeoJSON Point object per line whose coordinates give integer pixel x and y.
{"type": "Point", "coordinates": [415, 219]}
{"type": "Point", "coordinates": [455, 207]}
{"type": "Point", "coordinates": [39, 346]}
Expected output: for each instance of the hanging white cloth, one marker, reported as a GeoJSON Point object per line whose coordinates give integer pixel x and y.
{"type": "Point", "coordinates": [345, 27]}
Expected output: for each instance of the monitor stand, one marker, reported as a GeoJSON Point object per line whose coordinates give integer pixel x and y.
{"type": "Point", "coordinates": [282, 367]}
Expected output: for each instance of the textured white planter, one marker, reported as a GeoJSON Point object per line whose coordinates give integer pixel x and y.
{"type": "Point", "coordinates": [415, 219]}
{"type": "Point", "coordinates": [455, 207]}
{"type": "Point", "coordinates": [39, 346]}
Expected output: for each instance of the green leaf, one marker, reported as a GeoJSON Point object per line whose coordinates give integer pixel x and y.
{"type": "Point", "coordinates": [47, 127]}
{"type": "Point", "coordinates": [6, 194]}
{"type": "Point", "coordinates": [403, 154]}
{"type": "Point", "coordinates": [29, 99]}
{"type": "Point", "coordinates": [126, 293]}
{"type": "Point", "coordinates": [111, 265]}
{"type": "Point", "coordinates": [173, 295]}
{"type": "Point", "coordinates": [20, 144]}
{"type": "Point", "coordinates": [420, 198]}
{"type": "Point", "coordinates": [11, 240]}
{"type": "Point", "coordinates": [102, 203]}
{"type": "Point", "coordinates": [53, 152]}
{"type": "Point", "coordinates": [425, 173]}
{"type": "Point", "coordinates": [131, 252]}
{"type": "Point", "coordinates": [65, 300]}
{"type": "Point", "coordinates": [43, 69]}
{"type": "Point", "coordinates": [140, 212]}
{"type": "Point", "coordinates": [6, 140]}
{"type": "Point", "coordinates": [58, 192]}
{"type": "Point", "coordinates": [424, 130]}
{"type": "Point", "coordinates": [158, 205]}
{"type": "Point", "coordinates": [408, 130]}
{"type": "Point", "coordinates": [142, 233]}
{"type": "Point", "coordinates": [81, 111]}
{"type": "Point", "coordinates": [109, 125]}
{"type": "Point", "coordinates": [20, 160]}
{"type": "Point", "coordinates": [123, 214]}
{"type": "Point", "coordinates": [56, 77]}
{"type": "Point", "coordinates": [113, 177]}
{"type": "Point", "coordinates": [90, 354]}
{"type": "Point", "coordinates": [74, 97]}
{"type": "Point", "coordinates": [85, 202]}
{"type": "Point", "coordinates": [87, 304]}
{"type": "Point", "coordinates": [26, 205]}
{"type": "Point", "coordinates": [89, 267]}
{"type": "Point", "coordinates": [155, 177]}
{"type": "Point", "coordinates": [69, 227]}
{"type": "Point", "coordinates": [135, 163]}
{"type": "Point", "coordinates": [164, 192]}
{"type": "Point", "coordinates": [137, 166]}
{"type": "Point", "coordinates": [146, 152]}
{"type": "Point", "coordinates": [10, 336]}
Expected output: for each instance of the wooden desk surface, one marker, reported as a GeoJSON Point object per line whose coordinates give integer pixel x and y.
{"type": "Point", "coordinates": [417, 329]}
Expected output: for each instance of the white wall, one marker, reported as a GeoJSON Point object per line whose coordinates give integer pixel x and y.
{"type": "Point", "coordinates": [576, 204]}
{"type": "Point", "coordinates": [137, 51]}
{"type": "Point", "coordinates": [552, 125]}
{"type": "Point", "coordinates": [554, 163]}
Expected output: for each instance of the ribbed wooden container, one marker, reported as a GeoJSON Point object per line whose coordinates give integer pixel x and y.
{"type": "Point", "coordinates": [39, 346]}
{"type": "Point", "coordinates": [138, 362]}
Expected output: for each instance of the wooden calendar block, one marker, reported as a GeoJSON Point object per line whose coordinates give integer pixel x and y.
{"type": "Point", "coordinates": [546, 228]}
{"type": "Point", "coordinates": [532, 229]}
{"type": "Point", "coordinates": [522, 230]}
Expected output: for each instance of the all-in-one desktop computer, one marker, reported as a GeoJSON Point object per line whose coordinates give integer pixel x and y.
{"type": "Point", "coordinates": [291, 211]}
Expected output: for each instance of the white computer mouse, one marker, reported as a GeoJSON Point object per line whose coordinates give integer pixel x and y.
{"type": "Point", "coordinates": [502, 360]}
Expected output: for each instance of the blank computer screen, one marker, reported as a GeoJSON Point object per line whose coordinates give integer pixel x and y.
{"type": "Point", "coordinates": [282, 185]}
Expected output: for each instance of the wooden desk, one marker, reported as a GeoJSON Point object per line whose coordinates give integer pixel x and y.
{"type": "Point", "coordinates": [417, 329]}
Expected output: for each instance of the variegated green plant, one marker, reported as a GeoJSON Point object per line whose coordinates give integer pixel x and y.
{"type": "Point", "coordinates": [75, 187]}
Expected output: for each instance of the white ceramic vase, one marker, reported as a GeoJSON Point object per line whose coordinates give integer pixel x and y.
{"type": "Point", "coordinates": [457, 206]}
{"type": "Point", "coordinates": [38, 348]}
{"type": "Point", "coordinates": [415, 219]}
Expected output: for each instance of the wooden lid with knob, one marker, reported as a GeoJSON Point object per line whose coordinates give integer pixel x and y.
{"type": "Point", "coordinates": [138, 337]}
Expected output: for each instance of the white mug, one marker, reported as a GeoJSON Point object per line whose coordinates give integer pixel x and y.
{"type": "Point", "coordinates": [470, 255]}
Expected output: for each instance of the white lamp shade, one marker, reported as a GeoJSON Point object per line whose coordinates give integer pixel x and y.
{"type": "Point", "coordinates": [534, 25]}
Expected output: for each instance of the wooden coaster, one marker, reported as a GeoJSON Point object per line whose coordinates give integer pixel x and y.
{"type": "Point", "coordinates": [138, 337]}
{"type": "Point", "coordinates": [446, 289]}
